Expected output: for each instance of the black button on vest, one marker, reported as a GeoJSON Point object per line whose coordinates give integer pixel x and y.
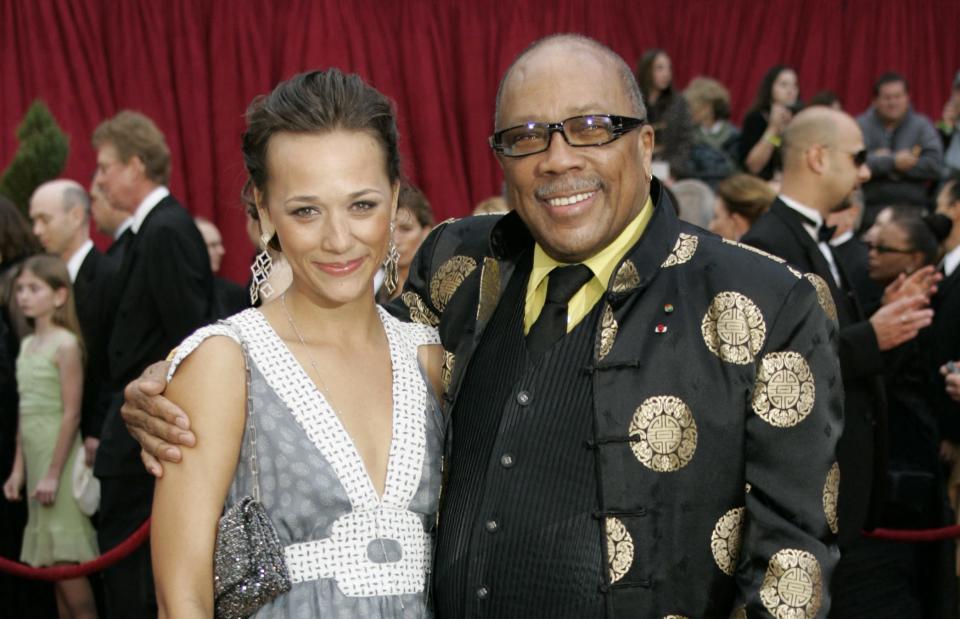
{"type": "Point", "coordinates": [551, 325]}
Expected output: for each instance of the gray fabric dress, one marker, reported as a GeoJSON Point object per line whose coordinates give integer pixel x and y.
{"type": "Point", "coordinates": [350, 552]}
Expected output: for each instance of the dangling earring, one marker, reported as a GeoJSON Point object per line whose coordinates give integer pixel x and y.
{"type": "Point", "coordinates": [260, 269]}
{"type": "Point", "coordinates": [390, 265]}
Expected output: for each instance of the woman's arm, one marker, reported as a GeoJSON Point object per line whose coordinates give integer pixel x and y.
{"type": "Point", "coordinates": [70, 364]}
{"type": "Point", "coordinates": [431, 360]}
{"type": "Point", "coordinates": [14, 483]}
{"type": "Point", "coordinates": [188, 500]}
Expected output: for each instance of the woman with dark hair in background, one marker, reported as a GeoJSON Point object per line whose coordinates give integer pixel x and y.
{"type": "Point", "coordinates": [413, 223]}
{"type": "Point", "coordinates": [908, 578]}
{"type": "Point", "coordinates": [741, 200]}
{"type": "Point", "coordinates": [771, 111]}
{"type": "Point", "coordinates": [667, 111]}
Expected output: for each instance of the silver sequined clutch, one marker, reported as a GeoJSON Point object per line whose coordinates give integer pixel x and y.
{"type": "Point", "coordinates": [249, 568]}
{"type": "Point", "coordinates": [248, 564]}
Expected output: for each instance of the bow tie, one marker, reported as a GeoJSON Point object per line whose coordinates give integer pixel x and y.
{"type": "Point", "coordinates": [825, 233]}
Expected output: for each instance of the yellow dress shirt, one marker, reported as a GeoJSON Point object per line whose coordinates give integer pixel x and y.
{"type": "Point", "coordinates": [600, 264]}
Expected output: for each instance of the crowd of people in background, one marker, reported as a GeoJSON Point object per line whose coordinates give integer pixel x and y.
{"type": "Point", "coordinates": [78, 323]}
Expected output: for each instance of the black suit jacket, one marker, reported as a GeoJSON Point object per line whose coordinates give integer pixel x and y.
{"type": "Point", "coordinates": [92, 296]}
{"type": "Point", "coordinates": [119, 246]}
{"type": "Point", "coordinates": [941, 343]}
{"type": "Point", "coordinates": [164, 293]}
{"type": "Point", "coordinates": [852, 255]}
{"type": "Point", "coordinates": [861, 451]}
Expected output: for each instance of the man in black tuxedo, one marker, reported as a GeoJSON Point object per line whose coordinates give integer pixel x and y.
{"type": "Point", "coordinates": [823, 164]}
{"type": "Point", "coordinates": [229, 297]}
{"type": "Point", "coordinates": [942, 341]}
{"type": "Point", "coordinates": [164, 291]}
{"type": "Point", "coordinates": [60, 212]}
{"type": "Point", "coordinates": [853, 254]}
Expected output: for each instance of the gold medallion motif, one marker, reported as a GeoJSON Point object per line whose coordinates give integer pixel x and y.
{"type": "Point", "coordinates": [759, 252]}
{"type": "Point", "coordinates": [627, 277]}
{"type": "Point", "coordinates": [419, 312]}
{"type": "Point", "coordinates": [676, 617]}
{"type": "Point", "coordinates": [795, 272]}
{"type": "Point", "coordinates": [785, 392]}
{"type": "Point", "coordinates": [667, 432]}
{"type": "Point", "coordinates": [448, 278]}
{"type": "Point", "coordinates": [683, 250]}
{"type": "Point", "coordinates": [489, 289]}
{"type": "Point", "coordinates": [619, 549]}
{"type": "Point", "coordinates": [824, 297]}
{"type": "Point", "coordinates": [446, 372]}
{"type": "Point", "coordinates": [792, 586]}
{"type": "Point", "coordinates": [608, 332]}
{"type": "Point", "coordinates": [747, 488]}
{"type": "Point", "coordinates": [740, 613]}
{"type": "Point", "coordinates": [733, 328]}
{"type": "Point", "coordinates": [726, 539]}
{"type": "Point", "coordinates": [831, 494]}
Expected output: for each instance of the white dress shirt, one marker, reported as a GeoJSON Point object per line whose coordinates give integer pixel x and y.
{"type": "Point", "coordinates": [813, 229]}
{"type": "Point", "coordinates": [148, 204]}
{"type": "Point", "coordinates": [76, 260]}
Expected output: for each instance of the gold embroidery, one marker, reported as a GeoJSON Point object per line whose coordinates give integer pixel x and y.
{"type": "Point", "coordinates": [676, 617]}
{"type": "Point", "coordinates": [747, 488]}
{"type": "Point", "coordinates": [627, 277]}
{"type": "Point", "coordinates": [608, 332]}
{"type": "Point", "coordinates": [683, 250]}
{"type": "Point", "coordinates": [740, 613]}
{"type": "Point", "coordinates": [760, 252]}
{"type": "Point", "coordinates": [785, 392]}
{"type": "Point", "coordinates": [733, 328]}
{"type": "Point", "coordinates": [419, 312]}
{"type": "Point", "coordinates": [448, 278]}
{"type": "Point", "coordinates": [792, 586]}
{"type": "Point", "coordinates": [667, 432]}
{"type": "Point", "coordinates": [824, 297]}
{"type": "Point", "coordinates": [831, 493]}
{"type": "Point", "coordinates": [795, 272]}
{"type": "Point", "coordinates": [726, 539]}
{"type": "Point", "coordinates": [489, 289]}
{"type": "Point", "coordinates": [446, 372]}
{"type": "Point", "coordinates": [619, 549]}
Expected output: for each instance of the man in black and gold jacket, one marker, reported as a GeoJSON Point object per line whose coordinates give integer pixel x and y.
{"type": "Point", "coordinates": [642, 417]}
{"type": "Point", "coordinates": [673, 454]}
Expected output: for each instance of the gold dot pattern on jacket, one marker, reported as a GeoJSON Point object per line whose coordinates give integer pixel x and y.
{"type": "Point", "coordinates": [759, 252]}
{"type": "Point", "coordinates": [824, 297]}
{"type": "Point", "coordinates": [627, 277]}
{"type": "Point", "coordinates": [448, 278]}
{"type": "Point", "coordinates": [795, 272]}
{"type": "Point", "coordinates": [446, 371]}
{"type": "Point", "coordinates": [831, 494]}
{"type": "Point", "coordinates": [619, 549]}
{"type": "Point", "coordinates": [608, 332]}
{"type": "Point", "coordinates": [666, 433]}
{"type": "Point", "coordinates": [792, 587]}
{"type": "Point", "coordinates": [675, 617]}
{"type": "Point", "coordinates": [733, 328]}
{"type": "Point", "coordinates": [726, 539]}
{"type": "Point", "coordinates": [785, 391]}
{"type": "Point", "coordinates": [683, 250]}
{"type": "Point", "coordinates": [419, 312]}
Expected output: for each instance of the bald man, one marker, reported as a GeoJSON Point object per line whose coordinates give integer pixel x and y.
{"type": "Point", "coordinates": [823, 164]}
{"type": "Point", "coordinates": [60, 213]}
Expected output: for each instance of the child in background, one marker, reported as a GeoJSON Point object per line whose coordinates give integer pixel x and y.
{"type": "Point", "coordinates": [50, 383]}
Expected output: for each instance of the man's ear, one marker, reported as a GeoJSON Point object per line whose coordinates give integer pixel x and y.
{"type": "Point", "coordinates": [645, 144]}
{"type": "Point", "coordinates": [816, 157]}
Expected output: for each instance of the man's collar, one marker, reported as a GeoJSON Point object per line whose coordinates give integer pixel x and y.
{"type": "Point", "coordinates": [123, 227]}
{"type": "Point", "coordinates": [76, 260]}
{"type": "Point", "coordinates": [812, 216]}
{"type": "Point", "coordinates": [843, 238]}
{"type": "Point", "coordinates": [148, 204]}
{"type": "Point", "coordinates": [951, 261]}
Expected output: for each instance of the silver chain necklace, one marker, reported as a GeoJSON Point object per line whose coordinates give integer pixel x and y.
{"type": "Point", "coordinates": [306, 349]}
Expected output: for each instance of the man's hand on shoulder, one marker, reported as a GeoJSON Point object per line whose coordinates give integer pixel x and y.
{"type": "Point", "coordinates": [154, 421]}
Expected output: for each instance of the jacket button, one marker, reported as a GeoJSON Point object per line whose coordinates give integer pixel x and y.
{"type": "Point", "coordinates": [524, 398]}
{"type": "Point", "coordinates": [482, 593]}
{"type": "Point", "coordinates": [492, 526]}
{"type": "Point", "coordinates": [506, 461]}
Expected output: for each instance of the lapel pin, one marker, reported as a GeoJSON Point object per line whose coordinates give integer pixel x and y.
{"type": "Point", "coordinates": [668, 308]}
{"type": "Point", "coordinates": [660, 328]}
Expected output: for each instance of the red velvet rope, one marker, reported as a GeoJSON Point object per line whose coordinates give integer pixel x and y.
{"type": "Point", "coordinates": [66, 572]}
{"type": "Point", "coordinates": [923, 535]}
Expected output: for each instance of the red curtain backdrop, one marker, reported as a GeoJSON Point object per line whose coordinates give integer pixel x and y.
{"type": "Point", "coordinates": [194, 65]}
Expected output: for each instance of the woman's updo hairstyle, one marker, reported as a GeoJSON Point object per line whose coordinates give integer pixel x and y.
{"type": "Point", "coordinates": [924, 233]}
{"type": "Point", "coordinates": [315, 102]}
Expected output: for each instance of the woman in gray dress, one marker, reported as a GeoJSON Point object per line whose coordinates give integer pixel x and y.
{"type": "Point", "coordinates": [348, 431]}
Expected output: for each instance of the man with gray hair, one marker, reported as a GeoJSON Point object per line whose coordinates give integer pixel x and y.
{"type": "Point", "coordinates": [60, 212]}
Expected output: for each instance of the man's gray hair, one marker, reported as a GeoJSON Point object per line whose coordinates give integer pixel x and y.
{"type": "Point", "coordinates": [74, 196]}
{"type": "Point", "coordinates": [627, 78]}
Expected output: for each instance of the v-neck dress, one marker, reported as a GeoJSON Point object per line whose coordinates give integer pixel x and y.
{"type": "Point", "coordinates": [350, 552]}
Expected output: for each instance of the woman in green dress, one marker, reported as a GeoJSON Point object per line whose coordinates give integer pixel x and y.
{"type": "Point", "coordinates": [50, 383]}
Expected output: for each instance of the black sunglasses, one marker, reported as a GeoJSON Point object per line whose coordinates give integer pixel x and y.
{"type": "Point", "coordinates": [859, 157]}
{"type": "Point", "coordinates": [534, 137]}
{"type": "Point", "coordinates": [885, 249]}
